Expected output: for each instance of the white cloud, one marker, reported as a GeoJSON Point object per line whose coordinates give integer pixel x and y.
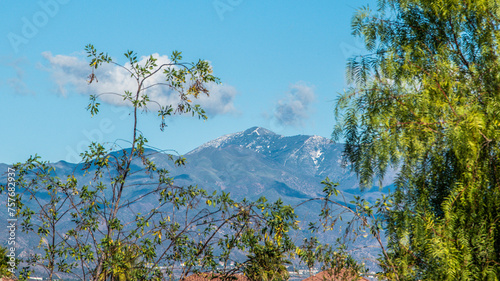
{"type": "Point", "coordinates": [294, 108]}
{"type": "Point", "coordinates": [220, 99]}
{"type": "Point", "coordinates": [70, 73]}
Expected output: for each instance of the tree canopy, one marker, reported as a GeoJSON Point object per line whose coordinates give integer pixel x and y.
{"type": "Point", "coordinates": [91, 228]}
{"type": "Point", "coordinates": [426, 100]}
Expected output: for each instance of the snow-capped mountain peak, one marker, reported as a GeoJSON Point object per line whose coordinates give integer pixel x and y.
{"type": "Point", "coordinates": [258, 131]}
{"type": "Point", "coordinates": [311, 154]}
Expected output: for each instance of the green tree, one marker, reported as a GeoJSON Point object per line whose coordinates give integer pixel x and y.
{"type": "Point", "coordinates": [4, 266]}
{"type": "Point", "coordinates": [105, 236]}
{"type": "Point", "coordinates": [335, 260]}
{"type": "Point", "coordinates": [94, 244]}
{"type": "Point", "coordinates": [127, 264]}
{"type": "Point", "coordinates": [425, 100]}
{"type": "Point", "coordinates": [358, 218]}
{"type": "Point", "coordinates": [267, 262]}
{"type": "Point", "coordinates": [270, 246]}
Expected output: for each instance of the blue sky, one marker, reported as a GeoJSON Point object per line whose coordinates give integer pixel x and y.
{"type": "Point", "coordinates": [281, 63]}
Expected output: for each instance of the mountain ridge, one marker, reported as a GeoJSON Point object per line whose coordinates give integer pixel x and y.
{"type": "Point", "coordinates": [248, 164]}
{"type": "Point", "coordinates": [280, 148]}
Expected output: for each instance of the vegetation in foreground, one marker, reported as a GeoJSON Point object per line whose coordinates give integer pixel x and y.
{"type": "Point", "coordinates": [188, 225]}
{"type": "Point", "coordinates": [424, 99]}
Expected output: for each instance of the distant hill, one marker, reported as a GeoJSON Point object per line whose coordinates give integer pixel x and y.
{"type": "Point", "coordinates": [248, 164]}
{"type": "Point", "coordinates": [257, 162]}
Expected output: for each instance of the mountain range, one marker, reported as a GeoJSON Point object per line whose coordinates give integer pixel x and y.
{"type": "Point", "coordinates": [250, 164]}
{"type": "Point", "coordinates": [259, 162]}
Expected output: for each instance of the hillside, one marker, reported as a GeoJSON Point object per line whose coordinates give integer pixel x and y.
{"type": "Point", "coordinates": [248, 164]}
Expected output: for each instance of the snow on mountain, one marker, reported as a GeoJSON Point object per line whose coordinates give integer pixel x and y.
{"type": "Point", "coordinates": [308, 155]}
{"type": "Point", "coordinates": [249, 164]}
{"type": "Point", "coordinates": [249, 137]}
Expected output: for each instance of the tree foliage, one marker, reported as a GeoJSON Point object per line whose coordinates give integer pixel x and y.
{"type": "Point", "coordinates": [268, 249]}
{"type": "Point", "coordinates": [425, 99]}
{"type": "Point", "coordinates": [91, 228]}
{"type": "Point", "coordinates": [4, 263]}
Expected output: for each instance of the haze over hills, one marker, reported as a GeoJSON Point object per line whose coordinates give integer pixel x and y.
{"type": "Point", "coordinates": [248, 164]}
